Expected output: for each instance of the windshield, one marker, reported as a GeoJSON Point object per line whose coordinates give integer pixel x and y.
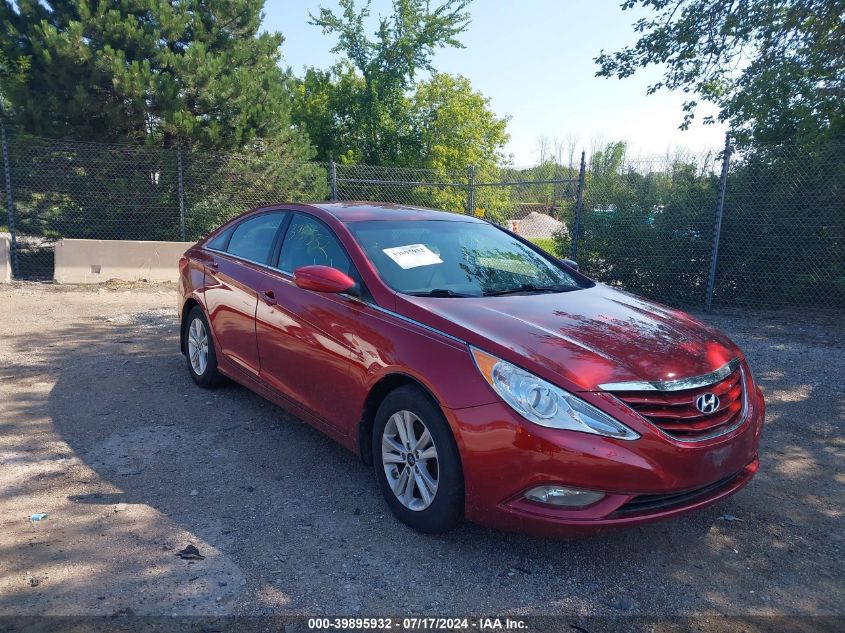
{"type": "Point", "coordinates": [443, 258]}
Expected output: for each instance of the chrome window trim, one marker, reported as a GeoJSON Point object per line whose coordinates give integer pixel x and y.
{"type": "Point", "coordinates": [402, 317]}
{"type": "Point", "coordinates": [238, 258]}
{"type": "Point", "coordinates": [347, 296]}
{"type": "Point", "coordinates": [693, 382]}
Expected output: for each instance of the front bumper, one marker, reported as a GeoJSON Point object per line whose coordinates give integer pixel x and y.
{"type": "Point", "coordinates": [649, 479]}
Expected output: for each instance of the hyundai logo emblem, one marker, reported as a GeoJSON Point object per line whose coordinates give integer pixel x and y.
{"type": "Point", "coordinates": [707, 402]}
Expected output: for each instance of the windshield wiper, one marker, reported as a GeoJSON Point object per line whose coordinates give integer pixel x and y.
{"type": "Point", "coordinates": [438, 292]}
{"type": "Point", "coordinates": [527, 288]}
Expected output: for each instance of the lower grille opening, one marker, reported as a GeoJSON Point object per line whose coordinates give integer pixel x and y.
{"type": "Point", "coordinates": [642, 504]}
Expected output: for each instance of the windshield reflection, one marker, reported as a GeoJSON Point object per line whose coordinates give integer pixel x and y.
{"type": "Point", "coordinates": [456, 259]}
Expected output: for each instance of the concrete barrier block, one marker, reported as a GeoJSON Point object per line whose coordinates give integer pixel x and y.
{"type": "Point", "coordinates": [5, 260]}
{"type": "Point", "coordinates": [97, 261]}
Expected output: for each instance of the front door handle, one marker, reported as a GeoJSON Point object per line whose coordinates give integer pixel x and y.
{"type": "Point", "coordinates": [214, 264]}
{"type": "Point", "coordinates": [269, 297]}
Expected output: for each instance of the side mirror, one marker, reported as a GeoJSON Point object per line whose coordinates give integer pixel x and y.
{"type": "Point", "coordinates": [322, 279]}
{"type": "Point", "coordinates": [571, 263]}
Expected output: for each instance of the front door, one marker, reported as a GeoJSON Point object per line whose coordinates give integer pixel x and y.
{"type": "Point", "coordinates": [305, 337]}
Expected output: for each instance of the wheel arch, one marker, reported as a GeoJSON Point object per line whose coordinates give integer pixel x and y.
{"type": "Point", "coordinates": [378, 392]}
{"type": "Point", "coordinates": [186, 310]}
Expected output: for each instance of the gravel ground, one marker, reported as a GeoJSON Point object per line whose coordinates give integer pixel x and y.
{"type": "Point", "coordinates": [102, 428]}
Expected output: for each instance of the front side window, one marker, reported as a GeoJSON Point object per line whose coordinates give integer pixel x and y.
{"type": "Point", "coordinates": [453, 258]}
{"type": "Point", "coordinates": [253, 238]}
{"type": "Point", "coordinates": [309, 242]}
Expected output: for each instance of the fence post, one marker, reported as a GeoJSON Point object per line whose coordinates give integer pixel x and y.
{"type": "Point", "coordinates": [10, 200]}
{"type": "Point", "coordinates": [717, 227]}
{"type": "Point", "coordinates": [579, 203]}
{"type": "Point", "coordinates": [332, 181]}
{"type": "Point", "coordinates": [470, 190]}
{"type": "Point", "coordinates": [181, 191]}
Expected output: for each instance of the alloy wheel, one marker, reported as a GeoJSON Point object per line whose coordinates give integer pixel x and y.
{"type": "Point", "coordinates": [198, 347]}
{"type": "Point", "coordinates": [410, 462]}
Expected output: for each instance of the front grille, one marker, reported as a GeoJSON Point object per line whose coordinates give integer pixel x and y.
{"type": "Point", "coordinates": [676, 413]}
{"type": "Point", "coordinates": [652, 503]}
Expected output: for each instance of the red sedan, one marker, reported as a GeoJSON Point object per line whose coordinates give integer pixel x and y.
{"type": "Point", "coordinates": [480, 376]}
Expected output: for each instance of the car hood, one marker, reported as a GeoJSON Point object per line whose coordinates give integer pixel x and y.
{"type": "Point", "coordinates": [580, 339]}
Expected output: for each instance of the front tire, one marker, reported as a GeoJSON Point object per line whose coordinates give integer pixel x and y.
{"type": "Point", "coordinates": [199, 350]}
{"type": "Point", "coordinates": [417, 462]}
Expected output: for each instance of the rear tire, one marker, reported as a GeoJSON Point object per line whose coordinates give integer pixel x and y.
{"type": "Point", "coordinates": [199, 350]}
{"type": "Point", "coordinates": [417, 463]}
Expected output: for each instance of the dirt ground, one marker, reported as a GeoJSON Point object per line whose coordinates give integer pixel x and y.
{"type": "Point", "coordinates": [102, 428]}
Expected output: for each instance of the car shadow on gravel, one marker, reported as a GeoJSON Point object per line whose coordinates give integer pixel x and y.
{"type": "Point", "coordinates": [295, 523]}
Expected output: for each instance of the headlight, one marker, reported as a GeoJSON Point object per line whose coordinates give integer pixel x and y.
{"type": "Point", "coordinates": [543, 403]}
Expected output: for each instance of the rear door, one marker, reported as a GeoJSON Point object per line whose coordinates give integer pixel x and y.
{"type": "Point", "coordinates": [305, 337]}
{"type": "Point", "coordinates": [232, 280]}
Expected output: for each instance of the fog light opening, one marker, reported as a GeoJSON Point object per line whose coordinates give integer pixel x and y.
{"type": "Point", "coordinates": [563, 496]}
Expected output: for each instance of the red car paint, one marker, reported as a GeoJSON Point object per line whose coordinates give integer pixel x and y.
{"type": "Point", "coordinates": [327, 357]}
{"type": "Point", "coordinates": [322, 279]}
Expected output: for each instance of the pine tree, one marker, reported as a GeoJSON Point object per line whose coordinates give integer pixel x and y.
{"type": "Point", "coordinates": [147, 70]}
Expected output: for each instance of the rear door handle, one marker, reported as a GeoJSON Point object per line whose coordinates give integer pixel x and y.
{"type": "Point", "coordinates": [269, 297]}
{"type": "Point", "coordinates": [214, 264]}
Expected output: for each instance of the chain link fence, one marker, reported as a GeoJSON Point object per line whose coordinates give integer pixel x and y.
{"type": "Point", "coordinates": [537, 202]}
{"type": "Point", "coordinates": [64, 189]}
{"type": "Point", "coordinates": [217, 186]}
{"type": "Point", "coordinates": [759, 228]}
{"type": "Point", "coordinates": [648, 226]}
{"type": "Point", "coordinates": [783, 229]}
{"type": "Point", "coordinates": [762, 228]}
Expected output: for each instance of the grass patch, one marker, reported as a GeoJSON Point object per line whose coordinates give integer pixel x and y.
{"type": "Point", "coordinates": [546, 243]}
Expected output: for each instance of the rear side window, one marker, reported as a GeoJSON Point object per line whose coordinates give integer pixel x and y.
{"type": "Point", "coordinates": [220, 240]}
{"type": "Point", "coordinates": [309, 242]}
{"type": "Point", "coordinates": [252, 239]}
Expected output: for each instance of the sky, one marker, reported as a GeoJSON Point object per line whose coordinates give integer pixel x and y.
{"type": "Point", "coordinates": [534, 60]}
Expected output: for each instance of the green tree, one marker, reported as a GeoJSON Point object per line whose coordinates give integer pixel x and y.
{"type": "Point", "coordinates": [197, 72]}
{"type": "Point", "coordinates": [12, 79]}
{"type": "Point", "coordinates": [456, 128]}
{"type": "Point", "coordinates": [775, 68]}
{"type": "Point", "coordinates": [388, 63]}
{"type": "Point", "coordinates": [327, 107]}
{"type": "Point", "coordinates": [147, 70]}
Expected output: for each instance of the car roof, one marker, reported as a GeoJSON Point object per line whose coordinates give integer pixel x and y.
{"type": "Point", "coordinates": [368, 211]}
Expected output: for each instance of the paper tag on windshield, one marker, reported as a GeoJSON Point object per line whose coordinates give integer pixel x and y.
{"type": "Point", "coordinates": [412, 256]}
